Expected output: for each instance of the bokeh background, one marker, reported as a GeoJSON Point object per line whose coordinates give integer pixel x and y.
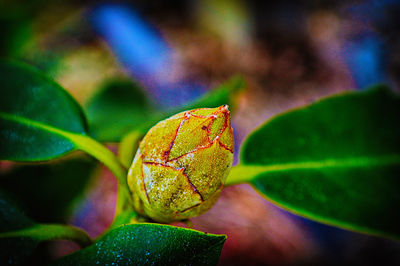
{"type": "Point", "coordinates": [290, 53]}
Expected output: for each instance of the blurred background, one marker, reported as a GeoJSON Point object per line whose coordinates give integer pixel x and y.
{"type": "Point", "coordinates": [290, 53]}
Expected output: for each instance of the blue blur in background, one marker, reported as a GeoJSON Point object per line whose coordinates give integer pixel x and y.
{"type": "Point", "coordinates": [143, 53]}
{"type": "Point", "coordinates": [364, 53]}
{"type": "Point", "coordinates": [366, 61]}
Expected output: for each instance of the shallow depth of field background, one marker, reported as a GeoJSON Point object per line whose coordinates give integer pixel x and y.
{"type": "Point", "coordinates": [290, 53]}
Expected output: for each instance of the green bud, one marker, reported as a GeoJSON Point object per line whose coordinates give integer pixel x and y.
{"type": "Point", "coordinates": [182, 164]}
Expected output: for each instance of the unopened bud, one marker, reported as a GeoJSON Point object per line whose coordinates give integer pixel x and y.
{"type": "Point", "coordinates": [181, 164]}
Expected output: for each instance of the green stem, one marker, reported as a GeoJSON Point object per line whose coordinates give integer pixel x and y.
{"type": "Point", "coordinates": [108, 158]}
{"type": "Point", "coordinates": [123, 201]}
{"type": "Point", "coordinates": [42, 232]}
{"type": "Point", "coordinates": [104, 155]}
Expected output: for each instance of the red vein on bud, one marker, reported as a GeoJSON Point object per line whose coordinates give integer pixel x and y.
{"type": "Point", "coordinates": [192, 151]}
{"type": "Point", "coordinates": [211, 141]}
{"type": "Point", "coordinates": [191, 184]}
{"type": "Point", "coordinates": [201, 116]}
{"type": "Point", "coordinates": [209, 129]}
{"type": "Point", "coordinates": [225, 124]}
{"type": "Point", "coordinates": [209, 197]}
{"type": "Point", "coordinates": [187, 209]}
{"type": "Point", "coordinates": [182, 170]}
{"type": "Point", "coordinates": [224, 146]}
{"type": "Point", "coordinates": [166, 154]}
{"type": "Point", "coordinates": [161, 164]}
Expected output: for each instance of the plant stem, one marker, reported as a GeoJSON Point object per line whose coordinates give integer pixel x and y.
{"type": "Point", "coordinates": [42, 232]}
{"type": "Point", "coordinates": [104, 155]}
{"type": "Point", "coordinates": [108, 158]}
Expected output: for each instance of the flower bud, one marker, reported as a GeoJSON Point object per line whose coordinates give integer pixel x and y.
{"type": "Point", "coordinates": [182, 164]}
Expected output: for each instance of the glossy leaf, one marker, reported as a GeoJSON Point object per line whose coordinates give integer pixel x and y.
{"type": "Point", "coordinates": [62, 181]}
{"type": "Point", "coordinates": [35, 113]}
{"type": "Point", "coordinates": [336, 161]}
{"type": "Point", "coordinates": [19, 235]}
{"type": "Point", "coordinates": [39, 120]}
{"type": "Point", "coordinates": [150, 244]}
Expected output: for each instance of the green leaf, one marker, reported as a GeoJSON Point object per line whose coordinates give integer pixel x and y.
{"type": "Point", "coordinates": [336, 161]}
{"type": "Point", "coordinates": [120, 107]}
{"type": "Point", "coordinates": [62, 181]}
{"type": "Point", "coordinates": [19, 235]}
{"type": "Point", "coordinates": [150, 244]}
{"type": "Point", "coordinates": [39, 120]}
{"type": "Point", "coordinates": [116, 109]}
{"type": "Point", "coordinates": [35, 113]}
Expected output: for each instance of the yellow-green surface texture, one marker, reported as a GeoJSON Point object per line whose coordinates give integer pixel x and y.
{"type": "Point", "coordinates": [182, 164]}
